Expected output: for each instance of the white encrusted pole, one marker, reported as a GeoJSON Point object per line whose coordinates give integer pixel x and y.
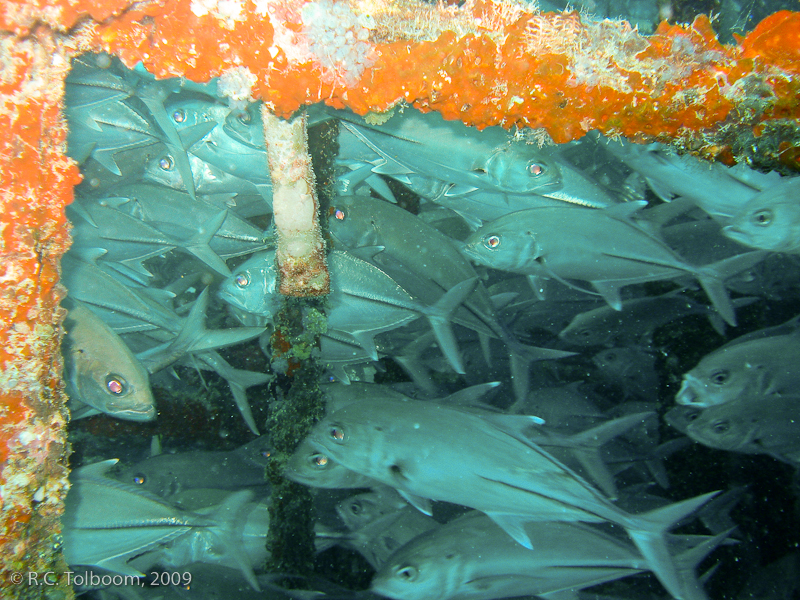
{"type": "Point", "coordinates": [301, 249]}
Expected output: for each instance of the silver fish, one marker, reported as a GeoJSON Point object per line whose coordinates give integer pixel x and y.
{"type": "Point", "coordinates": [211, 230]}
{"type": "Point", "coordinates": [101, 371]}
{"type": "Point", "coordinates": [770, 220]}
{"type": "Point", "coordinates": [605, 248]}
{"type": "Point", "coordinates": [426, 263]}
{"type": "Point", "coordinates": [432, 452]}
{"type": "Point", "coordinates": [364, 301]}
{"type": "Point", "coordinates": [106, 523]}
{"type": "Point", "coordinates": [768, 425]}
{"type": "Point", "coordinates": [235, 537]}
{"type": "Point", "coordinates": [634, 324]}
{"type": "Point", "coordinates": [378, 540]}
{"type": "Point", "coordinates": [744, 370]}
{"type": "Point", "coordinates": [209, 179]}
{"type": "Point", "coordinates": [168, 474]}
{"type": "Point", "coordinates": [630, 369]}
{"type": "Point", "coordinates": [719, 190]}
{"type": "Point", "coordinates": [311, 467]}
{"type": "Point", "coordinates": [471, 557]}
{"type": "Point", "coordinates": [493, 163]}
{"type": "Point", "coordinates": [362, 509]}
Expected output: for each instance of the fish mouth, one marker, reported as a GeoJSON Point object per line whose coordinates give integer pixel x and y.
{"type": "Point", "coordinates": [230, 299]}
{"type": "Point", "coordinates": [691, 394]}
{"type": "Point", "coordinates": [737, 235]}
{"type": "Point", "coordinates": [680, 417]}
{"type": "Point", "coordinates": [384, 586]}
{"type": "Point", "coordinates": [468, 250]}
{"type": "Point", "coordinates": [135, 414]}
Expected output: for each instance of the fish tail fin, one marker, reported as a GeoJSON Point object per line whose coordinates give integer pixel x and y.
{"type": "Point", "coordinates": [689, 560]}
{"type": "Point", "coordinates": [648, 532]}
{"type": "Point", "coordinates": [410, 360]}
{"type": "Point", "coordinates": [521, 357]}
{"type": "Point", "coordinates": [230, 517]}
{"type": "Point", "coordinates": [199, 246]}
{"type": "Point", "coordinates": [238, 382]}
{"type": "Point", "coordinates": [439, 316]}
{"type": "Point", "coordinates": [587, 445]}
{"type": "Point", "coordinates": [712, 278]}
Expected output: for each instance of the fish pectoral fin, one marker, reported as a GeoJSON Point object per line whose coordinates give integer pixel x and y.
{"type": "Point", "coordinates": [95, 470]}
{"type": "Point", "coordinates": [537, 285]}
{"type": "Point", "coordinates": [625, 210]}
{"type": "Point", "coordinates": [513, 525]}
{"type": "Point", "coordinates": [456, 189]}
{"type": "Point", "coordinates": [610, 293]}
{"type": "Point", "coordinates": [380, 187]}
{"type": "Point", "coordinates": [366, 339]}
{"type": "Point", "coordinates": [120, 566]}
{"type": "Point", "coordinates": [423, 505]}
{"type": "Point", "coordinates": [561, 595]}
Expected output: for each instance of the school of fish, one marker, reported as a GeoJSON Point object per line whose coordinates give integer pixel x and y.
{"type": "Point", "coordinates": [522, 340]}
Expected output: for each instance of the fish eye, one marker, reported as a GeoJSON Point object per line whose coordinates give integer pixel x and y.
{"type": "Point", "coordinates": [355, 508]}
{"type": "Point", "coordinates": [337, 433]}
{"type": "Point", "coordinates": [535, 169]}
{"type": "Point", "coordinates": [720, 377]}
{"type": "Point", "coordinates": [242, 280]}
{"type": "Point", "coordinates": [585, 333]}
{"type": "Point", "coordinates": [139, 479]}
{"type": "Point", "coordinates": [721, 426]}
{"type": "Point", "coordinates": [115, 385]}
{"type": "Point", "coordinates": [407, 573]}
{"type": "Point", "coordinates": [612, 356]}
{"type": "Point", "coordinates": [244, 117]}
{"type": "Point", "coordinates": [179, 116]}
{"type": "Point", "coordinates": [166, 163]}
{"type": "Point", "coordinates": [338, 214]}
{"type": "Point", "coordinates": [491, 241]}
{"type": "Point", "coordinates": [762, 217]}
{"type": "Point", "coordinates": [319, 460]}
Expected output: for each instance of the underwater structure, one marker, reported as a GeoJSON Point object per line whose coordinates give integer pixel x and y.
{"type": "Point", "coordinates": [484, 62]}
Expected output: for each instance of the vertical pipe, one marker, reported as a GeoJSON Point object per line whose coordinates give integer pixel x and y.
{"type": "Point", "coordinates": [303, 276]}
{"type": "Point", "coordinates": [301, 250]}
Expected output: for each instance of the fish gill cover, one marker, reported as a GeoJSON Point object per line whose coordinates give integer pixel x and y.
{"type": "Point", "coordinates": [171, 205]}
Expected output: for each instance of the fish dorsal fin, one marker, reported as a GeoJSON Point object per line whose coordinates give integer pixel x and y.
{"type": "Point", "coordinates": [366, 253]}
